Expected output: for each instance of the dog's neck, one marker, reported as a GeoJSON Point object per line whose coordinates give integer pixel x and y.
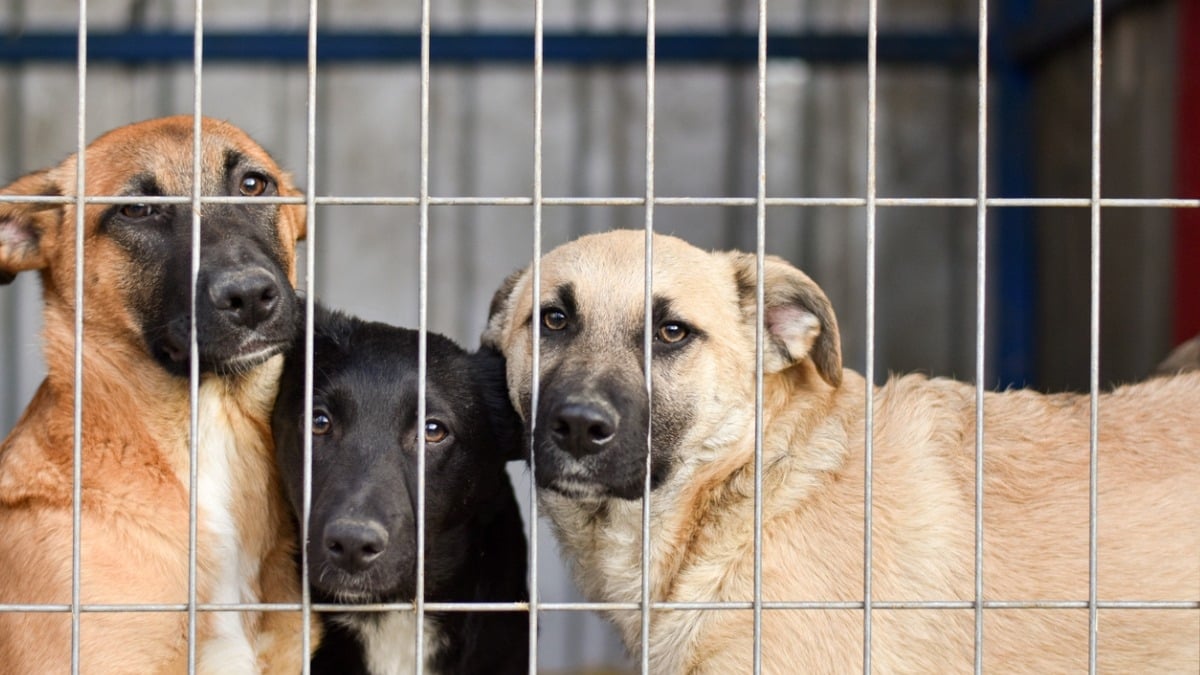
{"type": "Point", "coordinates": [131, 406]}
{"type": "Point", "coordinates": [715, 490]}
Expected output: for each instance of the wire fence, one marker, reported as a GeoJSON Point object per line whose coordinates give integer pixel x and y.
{"type": "Point", "coordinates": [762, 202]}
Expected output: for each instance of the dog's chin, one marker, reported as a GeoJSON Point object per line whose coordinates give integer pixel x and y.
{"type": "Point", "coordinates": [581, 489]}
{"type": "Point", "coordinates": [575, 490]}
{"type": "Point", "coordinates": [342, 588]}
{"type": "Point", "coordinates": [243, 361]}
{"type": "Point", "coordinates": [590, 479]}
{"type": "Point", "coordinates": [222, 362]}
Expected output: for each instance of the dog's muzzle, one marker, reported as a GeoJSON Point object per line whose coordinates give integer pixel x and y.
{"type": "Point", "coordinates": [354, 544]}
{"type": "Point", "coordinates": [245, 297]}
{"type": "Point", "coordinates": [583, 428]}
{"type": "Point", "coordinates": [591, 436]}
{"type": "Point", "coordinates": [246, 312]}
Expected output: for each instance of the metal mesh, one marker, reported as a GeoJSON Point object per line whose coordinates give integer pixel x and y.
{"type": "Point", "coordinates": [870, 202]}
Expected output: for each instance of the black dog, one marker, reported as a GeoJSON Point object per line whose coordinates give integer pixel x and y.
{"type": "Point", "coordinates": [364, 497]}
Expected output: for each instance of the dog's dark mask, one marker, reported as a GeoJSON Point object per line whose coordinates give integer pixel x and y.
{"type": "Point", "coordinates": [246, 310]}
{"type": "Point", "coordinates": [591, 432]}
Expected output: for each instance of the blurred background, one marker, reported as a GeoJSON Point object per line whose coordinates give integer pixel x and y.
{"type": "Point", "coordinates": [140, 65]}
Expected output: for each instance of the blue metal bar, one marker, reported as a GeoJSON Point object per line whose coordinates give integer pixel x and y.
{"type": "Point", "coordinates": [1015, 251]}
{"type": "Point", "coordinates": [940, 48]}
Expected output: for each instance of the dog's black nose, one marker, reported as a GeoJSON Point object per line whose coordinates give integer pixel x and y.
{"type": "Point", "coordinates": [582, 429]}
{"type": "Point", "coordinates": [354, 545]}
{"type": "Point", "coordinates": [246, 297]}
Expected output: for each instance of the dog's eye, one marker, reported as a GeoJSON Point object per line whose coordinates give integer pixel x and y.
{"type": "Point", "coordinates": [554, 319]}
{"type": "Point", "coordinates": [671, 332]}
{"type": "Point", "coordinates": [253, 184]}
{"type": "Point", "coordinates": [321, 424]}
{"type": "Point", "coordinates": [137, 210]}
{"type": "Point", "coordinates": [435, 431]}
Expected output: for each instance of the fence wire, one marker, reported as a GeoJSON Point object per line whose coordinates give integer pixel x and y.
{"type": "Point", "coordinates": [870, 202]}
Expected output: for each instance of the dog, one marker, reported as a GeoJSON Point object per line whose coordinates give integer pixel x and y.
{"type": "Point", "coordinates": [362, 525]}
{"type": "Point", "coordinates": [590, 457]}
{"type": "Point", "coordinates": [1184, 358]}
{"type": "Point", "coordinates": [134, 513]}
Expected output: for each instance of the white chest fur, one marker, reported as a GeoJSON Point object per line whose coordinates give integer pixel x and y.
{"type": "Point", "coordinates": [231, 570]}
{"type": "Point", "coordinates": [391, 643]}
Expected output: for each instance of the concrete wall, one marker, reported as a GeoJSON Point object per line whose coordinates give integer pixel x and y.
{"type": "Point", "coordinates": [1137, 161]}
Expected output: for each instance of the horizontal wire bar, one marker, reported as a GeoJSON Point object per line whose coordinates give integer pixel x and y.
{"type": "Point", "coordinates": [955, 202]}
{"type": "Point", "coordinates": [608, 606]}
{"type": "Point", "coordinates": [149, 199]}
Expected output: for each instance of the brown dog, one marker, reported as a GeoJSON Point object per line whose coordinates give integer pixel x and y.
{"type": "Point", "coordinates": [135, 431]}
{"type": "Point", "coordinates": [590, 461]}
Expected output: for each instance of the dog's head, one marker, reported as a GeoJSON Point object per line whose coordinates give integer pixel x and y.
{"type": "Point", "coordinates": [138, 256]}
{"type": "Point", "coordinates": [592, 418]}
{"type": "Point", "coordinates": [364, 454]}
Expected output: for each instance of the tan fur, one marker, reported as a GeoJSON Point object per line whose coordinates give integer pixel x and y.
{"type": "Point", "coordinates": [1035, 494]}
{"type": "Point", "coordinates": [135, 450]}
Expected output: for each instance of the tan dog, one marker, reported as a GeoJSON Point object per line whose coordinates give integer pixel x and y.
{"type": "Point", "coordinates": [590, 457]}
{"type": "Point", "coordinates": [1184, 358]}
{"type": "Point", "coordinates": [135, 447]}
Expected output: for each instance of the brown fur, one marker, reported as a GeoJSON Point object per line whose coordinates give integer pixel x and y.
{"type": "Point", "coordinates": [1035, 501]}
{"type": "Point", "coordinates": [135, 450]}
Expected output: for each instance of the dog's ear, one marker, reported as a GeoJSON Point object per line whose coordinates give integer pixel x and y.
{"type": "Point", "coordinates": [507, 428]}
{"type": "Point", "coordinates": [500, 310]}
{"type": "Point", "coordinates": [24, 227]}
{"type": "Point", "coordinates": [799, 319]}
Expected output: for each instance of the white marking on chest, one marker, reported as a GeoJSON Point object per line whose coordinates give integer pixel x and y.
{"type": "Point", "coordinates": [229, 649]}
{"type": "Point", "coordinates": [390, 643]}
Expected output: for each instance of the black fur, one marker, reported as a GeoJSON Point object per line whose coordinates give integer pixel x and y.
{"type": "Point", "coordinates": [364, 473]}
{"type": "Point", "coordinates": [245, 307]}
{"type": "Point", "coordinates": [593, 413]}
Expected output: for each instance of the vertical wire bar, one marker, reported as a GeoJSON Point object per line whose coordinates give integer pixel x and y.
{"type": "Point", "coordinates": [648, 328]}
{"type": "Point", "coordinates": [760, 252]}
{"type": "Point", "coordinates": [310, 210]}
{"type": "Point", "coordinates": [869, 451]}
{"type": "Point", "coordinates": [77, 411]}
{"type": "Point", "coordinates": [193, 346]}
{"type": "Point", "coordinates": [980, 319]}
{"type": "Point", "coordinates": [538, 85]}
{"type": "Point", "coordinates": [422, 334]}
{"type": "Point", "coordinates": [1094, 338]}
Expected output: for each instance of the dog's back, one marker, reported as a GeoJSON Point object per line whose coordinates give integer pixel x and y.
{"type": "Point", "coordinates": [365, 495]}
{"type": "Point", "coordinates": [1036, 532]}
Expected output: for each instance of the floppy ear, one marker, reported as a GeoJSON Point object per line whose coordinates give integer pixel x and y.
{"type": "Point", "coordinates": [507, 428]}
{"type": "Point", "coordinates": [24, 227]}
{"type": "Point", "coordinates": [799, 320]}
{"type": "Point", "coordinates": [501, 309]}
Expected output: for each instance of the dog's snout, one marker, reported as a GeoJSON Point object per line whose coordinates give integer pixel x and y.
{"type": "Point", "coordinates": [246, 297]}
{"type": "Point", "coordinates": [582, 428]}
{"type": "Point", "coordinates": [354, 545]}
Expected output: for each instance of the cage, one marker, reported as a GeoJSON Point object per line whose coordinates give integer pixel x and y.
{"type": "Point", "coordinates": [946, 171]}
